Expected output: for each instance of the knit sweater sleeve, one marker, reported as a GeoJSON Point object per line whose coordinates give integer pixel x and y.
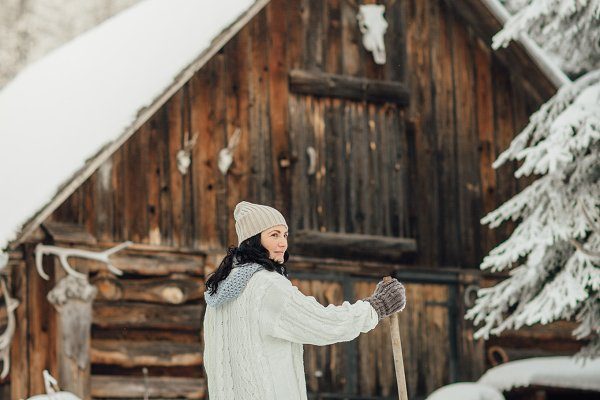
{"type": "Point", "coordinates": [286, 313]}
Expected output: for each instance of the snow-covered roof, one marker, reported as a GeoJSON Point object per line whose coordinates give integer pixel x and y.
{"type": "Point", "coordinates": [560, 372]}
{"type": "Point", "coordinates": [466, 391]}
{"type": "Point", "coordinates": [64, 115]}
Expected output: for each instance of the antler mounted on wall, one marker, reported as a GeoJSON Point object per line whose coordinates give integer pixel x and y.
{"type": "Point", "coordinates": [53, 392]}
{"type": "Point", "coordinates": [226, 154]}
{"type": "Point", "coordinates": [7, 335]}
{"type": "Point", "coordinates": [183, 155]}
{"type": "Point", "coordinates": [64, 253]}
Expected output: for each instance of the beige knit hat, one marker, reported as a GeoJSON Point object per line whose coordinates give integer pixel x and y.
{"type": "Point", "coordinates": [251, 219]}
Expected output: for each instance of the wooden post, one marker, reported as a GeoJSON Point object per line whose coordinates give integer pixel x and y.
{"type": "Point", "coordinates": [397, 348]}
{"type": "Point", "coordinates": [19, 352]}
{"type": "Point", "coordinates": [72, 297]}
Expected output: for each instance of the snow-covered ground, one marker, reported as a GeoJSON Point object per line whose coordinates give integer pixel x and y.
{"type": "Point", "coordinates": [560, 372]}
{"type": "Point", "coordinates": [466, 391]}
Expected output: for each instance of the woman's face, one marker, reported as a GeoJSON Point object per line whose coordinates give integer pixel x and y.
{"type": "Point", "coordinates": [275, 241]}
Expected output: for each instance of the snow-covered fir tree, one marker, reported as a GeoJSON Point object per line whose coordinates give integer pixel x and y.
{"type": "Point", "coordinates": [554, 252]}
{"type": "Point", "coordinates": [568, 30]}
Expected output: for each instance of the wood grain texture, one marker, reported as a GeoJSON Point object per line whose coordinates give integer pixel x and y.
{"type": "Point", "coordinates": [41, 332]}
{"type": "Point", "coordinates": [19, 350]}
{"type": "Point", "coordinates": [143, 315]}
{"type": "Point", "coordinates": [422, 117]}
{"type": "Point", "coordinates": [278, 109]}
{"type": "Point", "coordinates": [347, 87]}
{"type": "Point", "coordinates": [353, 245]}
{"type": "Point", "coordinates": [467, 140]}
{"type": "Point", "coordinates": [485, 128]}
{"type": "Point", "coordinates": [175, 289]}
{"type": "Point", "coordinates": [127, 387]}
{"type": "Point", "coordinates": [145, 353]}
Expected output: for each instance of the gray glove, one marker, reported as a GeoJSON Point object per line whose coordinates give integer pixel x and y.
{"type": "Point", "coordinates": [388, 298]}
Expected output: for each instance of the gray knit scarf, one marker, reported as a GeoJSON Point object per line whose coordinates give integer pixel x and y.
{"type": "Point", "coordinates": [231, 287]}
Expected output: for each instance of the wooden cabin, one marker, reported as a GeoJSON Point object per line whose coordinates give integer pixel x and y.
{"type": "Point", "coordinates": [379, 170]}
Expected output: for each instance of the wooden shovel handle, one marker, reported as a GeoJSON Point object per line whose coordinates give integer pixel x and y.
{"type": "Point", "coordinates": [397, 349]}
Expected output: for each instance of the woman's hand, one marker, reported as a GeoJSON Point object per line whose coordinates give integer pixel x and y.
{"type": "Point", "coordinates": [388, 298]}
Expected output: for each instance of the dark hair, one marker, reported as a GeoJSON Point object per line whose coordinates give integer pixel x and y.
{"type": "Point", "coordinates": [250, 250]}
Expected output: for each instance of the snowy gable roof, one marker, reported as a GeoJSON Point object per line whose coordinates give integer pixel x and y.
{"type": "Point", "coordinates": [67, 113]}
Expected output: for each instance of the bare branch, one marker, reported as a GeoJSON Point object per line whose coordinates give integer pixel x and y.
{"type": "Point", "coordinates": [593, 225]}
{"type": "Point", "coordinates": [589, 253]}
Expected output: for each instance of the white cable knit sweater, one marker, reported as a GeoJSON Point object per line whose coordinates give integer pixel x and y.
{"type": "Point", "coordinates": [253, 344]}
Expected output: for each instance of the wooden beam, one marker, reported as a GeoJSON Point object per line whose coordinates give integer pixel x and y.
{"type": "Point", "coordinates": [72, 297]}
{"type": "Point", "coordinates": [176, 289]}
{"type": "Point", "coordinates": [68, 232]}
{"type": "Point", "coordinates": [347, 87]}
{"type": "Point", "coordinates": [143, 315]}
{"type": "Point", "coordinates": [146, 353]}
{"type": "Point", "coordinates": [20, 349]}
{"type": "Point", "coordinates": [146, 264]}
{"type": "Point", "coordinates": [128, 387]}
{"type": "Point", "coordinates": [352, 245]}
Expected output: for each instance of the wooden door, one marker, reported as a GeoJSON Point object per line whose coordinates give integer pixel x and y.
{"type": "Point", "coordinates": [351, 169]}
{"type": "Point", "coordinates": [364, 368]}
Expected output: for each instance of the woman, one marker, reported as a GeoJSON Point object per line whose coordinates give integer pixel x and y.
{"type": "Point", "coordinates": [256, 321]}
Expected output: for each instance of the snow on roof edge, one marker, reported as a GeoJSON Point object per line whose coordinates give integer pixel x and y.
{"type": "Point", "coordinates": [555, 74]}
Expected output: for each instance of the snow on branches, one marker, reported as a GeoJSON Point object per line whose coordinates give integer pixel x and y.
{"type": "Point", "coordinates": [554, 252]}
{"type": "Point", "coordinates": [567, 29]}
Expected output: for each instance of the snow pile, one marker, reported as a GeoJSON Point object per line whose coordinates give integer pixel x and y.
{"type": "Point", "coordinates": [466, 391]}
{"type": "Point", "coordinates": [63, 109]}
{"type": "Point", "coordinates": [560, 372]}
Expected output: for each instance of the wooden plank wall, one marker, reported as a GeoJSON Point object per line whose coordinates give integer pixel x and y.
{"type": "Point", "coordinates": [465, 108]}
{"type": "Point", "coordinates": [467, 105]}
{"type": "Point", "coordinates": [361, 180]}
